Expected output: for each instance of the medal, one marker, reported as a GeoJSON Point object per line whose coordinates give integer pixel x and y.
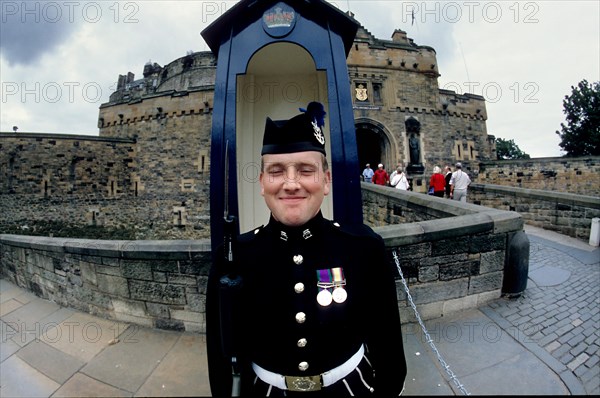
{"type": "Point", "coordinates": [324, 297]}
{"type": "Point", "coordinates": [339, 295]}
{"type": "Point", "coordinates": [324, 284]}
{"type": "Point", "coordinates": [328, 279]}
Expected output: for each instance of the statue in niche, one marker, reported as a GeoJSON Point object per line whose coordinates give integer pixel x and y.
{"type": "Point", "coordinates": [413, 145]}
{"type": "Point", "coordinates": [413, 128]}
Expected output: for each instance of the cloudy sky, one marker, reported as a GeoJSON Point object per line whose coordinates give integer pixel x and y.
{"type": "Point", "coordinates": [60, 60]}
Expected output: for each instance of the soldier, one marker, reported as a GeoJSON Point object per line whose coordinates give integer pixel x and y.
{"type": "Point", "coordinates": [318, 311]}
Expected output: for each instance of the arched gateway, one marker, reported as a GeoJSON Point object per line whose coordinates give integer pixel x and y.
{"type": "Point", "coordinates": [375, 145]}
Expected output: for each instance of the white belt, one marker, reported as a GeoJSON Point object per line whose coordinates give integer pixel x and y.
{"type": "Point", "coordinates": [310, 383]}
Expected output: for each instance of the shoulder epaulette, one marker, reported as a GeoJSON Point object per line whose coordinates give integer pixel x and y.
{"type": "Point", "coordinates": [250, 235]}
{"type": "Point", "coordinates": [354, 229]}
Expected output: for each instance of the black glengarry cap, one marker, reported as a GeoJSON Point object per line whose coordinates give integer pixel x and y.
{"type": "Point", "coordinates": [299, 134]}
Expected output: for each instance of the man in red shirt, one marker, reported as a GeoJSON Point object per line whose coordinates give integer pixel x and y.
{"type": "Point", "coordinates": [381, 176]}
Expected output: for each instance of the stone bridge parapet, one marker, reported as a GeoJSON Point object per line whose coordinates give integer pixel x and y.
{"type": "Point", "coordinates": [453, 255]}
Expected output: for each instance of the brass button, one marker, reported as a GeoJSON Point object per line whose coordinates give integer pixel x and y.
{"type": "Point", "coordinates": [299, 287]}
{"type": "Point", "coordinates": [303, 366]}
{"type": "Point", "coordinates": [300, 317]}
{"type": "Point", "coordinates": [302, 343]}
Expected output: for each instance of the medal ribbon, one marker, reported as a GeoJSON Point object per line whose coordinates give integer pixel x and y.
{"type": "Point", "coordinates": [325, 278]}
{"type": "Point", "coordinates": [338, 276]}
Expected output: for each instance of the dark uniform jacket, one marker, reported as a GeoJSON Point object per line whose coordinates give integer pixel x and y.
{"type": "Point", "coordinates": [277, 261]}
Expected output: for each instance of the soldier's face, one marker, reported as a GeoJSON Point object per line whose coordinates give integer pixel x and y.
{"type": "Point", "coordinates": [294, 186]}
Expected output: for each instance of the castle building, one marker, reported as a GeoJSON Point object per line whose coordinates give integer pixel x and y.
{"type": "Point", "coordinates": [148, 170]}
{"type": "Point", "coordinates": [394, 88]}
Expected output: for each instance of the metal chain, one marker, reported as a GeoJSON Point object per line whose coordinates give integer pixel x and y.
{"type": "Point", "coordinates": [426, 333]}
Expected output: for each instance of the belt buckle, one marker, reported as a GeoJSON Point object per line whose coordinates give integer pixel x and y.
{"type": "Point", "coordinates": [303, 383]}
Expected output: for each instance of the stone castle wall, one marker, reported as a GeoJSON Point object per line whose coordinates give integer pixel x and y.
{"type": "Point", "coordinates": [574, 175]}
{"type": "Point", "coordinates": [56, 182]}
{"type": "Point", "coordinates": [566, 213]}
{"type": "Point", "coordinates": [68, 185]}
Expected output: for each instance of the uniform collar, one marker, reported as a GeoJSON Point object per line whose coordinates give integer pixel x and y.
{"type": "Point", "coordinates": [306, 232]}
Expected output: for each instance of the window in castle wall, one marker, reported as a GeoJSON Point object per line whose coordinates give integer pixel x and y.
{"type": "Point", "coordinates": [472, 152]}
{"type": "Point", "coordinates": [202, 162]}
{"type": "Point", "coordinates": [136, 185]}
{"type": "Point", "coordinates": [10, 172]}
{"type": "Point", "coordinates": [112, 187]}
{"type": "Point", "coordinates": [46, 188]}
{"type": "Point", "coordinates": [179, 216]}
{"type": "Point", "coordinates": [93, 217]}
{"type": "Point", "coordinates": [187, 185]}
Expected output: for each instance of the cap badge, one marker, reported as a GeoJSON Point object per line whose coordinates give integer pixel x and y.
{"type": "Point", "coordinates": [318, 133]}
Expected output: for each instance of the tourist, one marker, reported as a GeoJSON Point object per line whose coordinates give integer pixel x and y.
{"type": "Point", "coordinates": [437, 183]}
{"type": "Point", "coordinates": [367, 173]}
{"type": "Point", "coordinates": [381, 176]}
{"type": "Point", "coordinates": [459, 183]}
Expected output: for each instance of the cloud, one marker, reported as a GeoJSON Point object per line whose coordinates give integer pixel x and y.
{"type": "Point", "coordinates": [30, 29]}
{"type": "Point", "coordinates": [523, 57]}
{"type": "Point", "coordinates": [56, 84]}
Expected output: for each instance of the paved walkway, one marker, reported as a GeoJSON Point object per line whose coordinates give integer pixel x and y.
{"type": "Point", "coordinates": [547, 342]}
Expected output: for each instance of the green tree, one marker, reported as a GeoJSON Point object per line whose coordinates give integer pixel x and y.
{"type": "Point", "coordinates": [507, 149]}
{"type": "Point", "coordinates": [580, 136]}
